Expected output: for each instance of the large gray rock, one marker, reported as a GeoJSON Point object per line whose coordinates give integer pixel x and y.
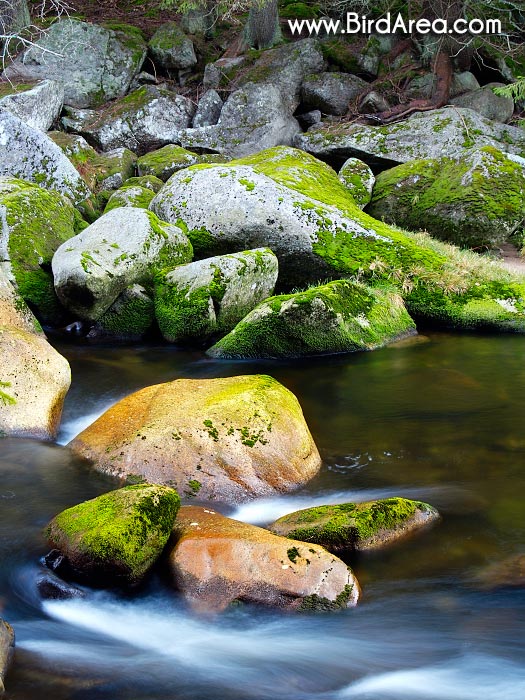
{"type": "Point", "coordinates": [475, 199]}
{"type": "Point", "coordinates": [423, 85]}
{"type": "Point", "coordinates": [36, 158]}
{"type": "Point", "coordinates": [340, 316]}
{"type": "Point", "coordinates": [487, 103]}
{"type": "Point", "coordinates": [171, 49]}
{"type": "Point", "coordinates": [208, 110]}
{"type": "Point", "coordinates": [440, 132]}
{"type": "Point", "coordinates": [208, 297]}
{"type": "Point", "coordinates": [93, 64]}
{"type": "Point", "coordinates": [332, 93]}
{"type": "Point", "coordinates": [124, 247]}
{"type": "Point", "coordinates": [7, 643]}
{"type": "Point", "coordinates": [145, 119]}
{"type": "Point", "coordinates": [38, 106]}
{"type": "Point", "coordinates": [254, 117]}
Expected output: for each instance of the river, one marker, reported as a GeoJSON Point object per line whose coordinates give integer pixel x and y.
{"type": "Point", "coordinates": [440, 418]}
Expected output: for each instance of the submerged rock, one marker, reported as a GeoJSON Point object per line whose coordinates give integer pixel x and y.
{"type": "Point", "coordinates": [340, 316]}
{"type": "Point", "coordinates": [90, 77]}
{"type": "Point", "coordinates": [475, 199]}
{"type": "Point", "coordinates": [357, 526]}
{"type": "Point", "coordinates": [208, 297]}
{"type": "Point", "coordinates": [125, 246]}
{"type": "Point", "coordinates": [508, 573]}
{"type": "Point", "coordinates": [226, 439]}
{"type": "Point", "coordinates": [116, 537]}
{"type": "Point", "coordinates": [441, 132]}
{"type": "Point", "coordinates": [292, 203]}
{"type": "Point", "coordinates": [34, 223]}
{"type": "Point", "coordinates": [217, 561]}
{"type": "Point", "coordinates": [37, 105]}
{"type": "Point", "coordinates": [37, 159]}
{"type": "Point", "coordinates": [7, 645]}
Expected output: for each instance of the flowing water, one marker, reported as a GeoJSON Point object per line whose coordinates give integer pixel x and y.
{"type": "Point", "coordinates": [441, 419]}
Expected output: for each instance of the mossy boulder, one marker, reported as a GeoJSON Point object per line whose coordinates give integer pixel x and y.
{"type": "Point", "coordinates": [216, 562]}
{"type": "Point", "coordinates": [37, 159]}
{"type": "Point", "coordinates": [130, 196]}
{"type": "Point", "coordinates": [7, 644]}
{"type": "Point", "coordinates": [101, 171]}
{"type": "Point", "coordinates": [127, 320]}
{"type": "Point", "coordinates": [116, 537]}
{"type": "Point", "coordinates": [340, 316]}
{"type": "Point", "coordinates": [361, 527]}
{"type": "Point", "coordinates": [171, 49]}
{"type": "Point", "coordinates": [150, 182]}
{"type": "Point", "coordinates": [167, 160]}
{"type": "Point", "coordinates": [294, 204]}
{"type": "Point", "coordinates": [474, 200]}
{"type": "Point", "coordinates": [90, 77]}
{"type": "Point", "coordinates": [230, 439]}
{"type": "Point", "coordinates": [358, 179]}
{"type": "Point", "coordinates": [201, 299]}
{"type": "Point", "coordinates": [440, 132]}
{"type": "Point", "coordinates": [125, 246]}
{"type": "Point", "coordinates": [38, 105]}
{"type": "Point", "coordinates": [332, 93]}
{"type": "Point", "coordinates": [147, 118]}
{"type": "Point", "coordinates": [36, 222]}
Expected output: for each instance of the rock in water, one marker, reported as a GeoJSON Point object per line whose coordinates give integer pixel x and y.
{"type": "Point", "coordinates": [217, 561]}
{"type": "Point", "coordinates": [116, 537]}
{"type": "Point", "coordinates": [358, 527]}
{"type": "Point", "coordinates": [228, 439]}
{"type": "Point", "coordinates": [7, 644]}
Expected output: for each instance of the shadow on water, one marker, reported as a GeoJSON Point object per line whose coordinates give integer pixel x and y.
{"type": "Point", "coordinates": [441, 421]}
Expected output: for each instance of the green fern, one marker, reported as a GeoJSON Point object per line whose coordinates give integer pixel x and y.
{"type": "Point", "coordinates": [515, 90]}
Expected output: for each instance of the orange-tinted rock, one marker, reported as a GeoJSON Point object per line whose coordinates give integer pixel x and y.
{"type": "Point", "coordinates": [216, 561]}
{"type": "Point", "coordinates": [228, 439]}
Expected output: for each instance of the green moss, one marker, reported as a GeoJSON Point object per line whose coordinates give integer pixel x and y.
{"type": "Point", "coordinates": [339, 53]}
{"type": "Point", "coordinates": [131, 316]}
{"type": "Point", "coordinates": [5, 398]}
{"type": "Point", "coordinates": [293, 553]}
{"type": "Point", "coordinates": [316, 603]}
{"type": "Point", "coordinates": [117, 535]}
{"type": "Point", "coordinates": [348, 526]}
{"type": "Point", "coordinates": [130, 196]}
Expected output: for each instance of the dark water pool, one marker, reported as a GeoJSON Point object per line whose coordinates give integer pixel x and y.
{"type": "Point", "coordinates": [441, 419]}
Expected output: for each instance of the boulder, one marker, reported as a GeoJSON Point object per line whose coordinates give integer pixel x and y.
{"type": "Point", "coordinates": [440, 132]}
{"type": "Point", "coordinates": [229, 439]}
{"type": "Point", "coordinates": [127, 320]}
{"type": "Point", "coordinates": [208, 110]}
{"type": "Point", "coordinates": [100, 171]}
{"type": "Point", "coordinates": [34, 382]}
{"type": "Point", "coordinates": [130, 196]}
{"type": "Point", "coordinates": [13, 310]}
{"type": "Point", "coordinates": [94, 64]}
{"type": "Point", "coordinates": [217, 562]}
{"type": "Point", "coordinates": [37, 105]}
{"type": "Point", "coordinates": [171, 49]}
{"type": "Point", "coordinates": [208, 297]}
{"type": "Point", "coordinates": [485, 101]}
{"type": "Point", "coordinates": [169, 159]}
{"type": "Point", "coordinates": [254, 117]}
{"type": "Point", "coordinates": [125, 246]}
{"type": "Point", "coordinates": [357, 527]}
{"type": "Point", "coordinates": [475, 199]}
{"type": "Point", "coordinates": [35, 223]}
{"type": "Point", "coordinates": [507, 573]}
{"type": "Point", "coordinates": [331, 93]}
{"type": "Point", "coordinates": [423, 85]}
{"type": "Point", "coordinates": [145, 119]}
{"type": "Point", "coordinates": [149, 182]}
{"type": "Point", "coordinates": [340, 316]}
{"type": "Point", "coordinates": [116, 537]}
{"type": "Point", "coordinates": [292, 203]}
{"type": "Point", "coordinates": [7, 645]}
{"type": "Point", "coordinates": [37, 159]}
{"type": "Point", "coordinates": [358, 179]}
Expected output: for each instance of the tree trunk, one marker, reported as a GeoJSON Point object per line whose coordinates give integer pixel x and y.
{"type": "Point", "coordinates": [262, 29]}
{"type": "Point", "coordinates": [14, 16]}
